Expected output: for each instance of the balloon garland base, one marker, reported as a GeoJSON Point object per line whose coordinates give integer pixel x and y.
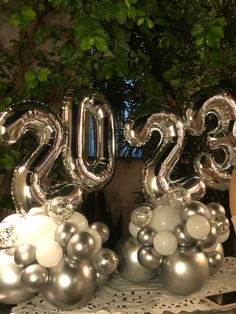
{"type": "Point", "coordinates": [62, 259]}
{"type": "Point", "coordinates": [179, 240]}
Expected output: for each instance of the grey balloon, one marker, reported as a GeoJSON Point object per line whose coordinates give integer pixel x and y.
{"type": "Point", "coordinates": [209, 240]}
{"type": "Point", "coordinates": [12, 291]}
{"type": "Point", "coordinates": [129, 266]}
{"type": "Point", "coordinates": [80, 246]}
{"type": "Point", "coordinates": [192, 208]}
{"type": "Point", "coordinates": [185, 271]}
{"type": "Point", "coordinates": [102, 229]}
{"type": "Point", "coordinates": [34, 277]}
{"type": "Point", "coordinates": [25, 255]}
{"type": "Point", "coordinates": [101, 279]}
{"type": "Point", "coordinates": [64, 232]}
{"type": "Point", "coordinates": [145, 235]}
{"type": "Point", "coordinates": [215, 260]}
{"type": "Point", "coordinates": [216, 209]}
{"type": "Point", "coordinates": [183, 238]}
{"type": "Point", "coordinates": [69, 287]}
{"type": "Point", "coordinates": [149, 258]}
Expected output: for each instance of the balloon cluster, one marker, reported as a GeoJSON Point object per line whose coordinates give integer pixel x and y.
{"type": "Point", "coordinates": [56, 252]}
{"type": "Point", "coordinates": [180, 239]}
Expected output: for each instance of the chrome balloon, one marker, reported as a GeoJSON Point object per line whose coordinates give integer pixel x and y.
{"type": "Point", "coordinates": [192, 208]}
{"type": "Point", "coordinates": [223, 137]}
{"type": "Point", "coordinates": [146, 235]}
{"type": "Point", "coordinates": [156, 174]}
{"type": "Point", "coordinates": [149, 258]}
{"type": "Point", "coordinates": [34, 277]}
{"type": "Point", "coordinates": [102, 229]}
{"type": "Point", "coordinates": [75, 113]}
{"type": "Point", "coordinates": [209, 240]}
{"type": "Point", "coordinates": [183, 238]}
{"type": "Point", "coordinates": [70, 286]}
{"type": "Point", "coordinates": [80, 246]}
{"type": "Point", "coordinates": [215, 209]}
{"type": "Point", "coordinates": [12, 291]}
{"type": "Point", "coordinates": [29, 188]}
{"type": "Point", "coordinates": [25, 255]}
{"type": "Point", "coordinates": [215, 260]}
{"type": "Point", "coordinates": [185, 271]}
{"type": "Point", "coordinates": [101, 279]}
{"type": "Point", "coordinates": [64, 232]}
{"type": "Point", "coordinates": [129, 266]}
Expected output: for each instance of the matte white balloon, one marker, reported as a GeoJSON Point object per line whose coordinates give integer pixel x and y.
{"type": "Point", "coordinates": [133, 229]}
{"type": "Point", "coordinates": [79, 221]}
{"type": "Point", "coordinates": [37, 211]}
{"type": "Point", "coordinates": [198, 226]}
{"type": "Point", "coordinates": [223, 237]}
{"type": "Point", "coordinates": [49, 253]}
{"type": "Point", "coordinates": [97, 239]}
{"type": "Point", "coordinates": [165, 218]}
{"type": "Point", "coordinates": [165, 242]}
{"type": "Point", "coordinates": [36, 229]}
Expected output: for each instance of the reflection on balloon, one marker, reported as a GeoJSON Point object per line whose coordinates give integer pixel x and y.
{"type": "Point", "coordinates": [129, 266]}
{"type": "Point", "coordinates": [34, 277]}
{"type": "Point", "coordinates": [185, 271]}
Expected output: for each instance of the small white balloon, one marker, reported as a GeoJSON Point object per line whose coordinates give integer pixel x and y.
{"type": "Point", "coordinates": [97, 239]}
{"type": "Point", "coordinates": [198, 226]}
{"type": "Point", "coordinates": [223, 237]}
{"type": "Point", "coordinates": [35, 229]}
{"type": "Point", "coordinates": [37, 211]}
{"type": "Point", "coordinates": [165, 218]}
{"type": "Point", "coordinates": [79, 221]}
{"type": "Point", "coordinates": [49, 253]}
{"type": "Point", "coordinates": [165, 242]}
{"type": "Point", "coordinates": [134, 230]}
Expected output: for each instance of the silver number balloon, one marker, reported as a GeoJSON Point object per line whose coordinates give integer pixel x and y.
{"type": "Point", "coordinates": [29, 188]}
{"type": "Point", "coordinates": [216, 175]}
{"type": "Point", "coordinates": [89, 175]}
{"type": "Point", "coordinates": [156, 179]}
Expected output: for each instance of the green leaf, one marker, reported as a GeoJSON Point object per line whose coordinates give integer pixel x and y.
{"type": "Point", "coordinates": [87, 43]}
{"type": "Point", "coordinates": [22, 17]}
{"type": "Point", "coordinates": [101, 44]}
{"type": "Point", "coordinates": [150, 23]}
{"type": "Point", "coordinates": [121, 15]}
{"type": "Point", "coordinates": [197, 29]}
{"type": "Point", "coordinates": [220, 21]}
{"type": "Point", "coordinates": [140, 21]}
{"type": "Point", "coordinates": [218, 31]}
{"type": "Point", "coordinates": [127, 3]}
{"type": "Point", "coordinates": [30, 76]}
{"type": "Point", "coordinates": [42, 74]}
{"type": "Point", "coordinates": [131, 12]}
{"type": "Point", "coordinates": [28, 14]}
{"type": "Point", "coordinates": [199, 41]}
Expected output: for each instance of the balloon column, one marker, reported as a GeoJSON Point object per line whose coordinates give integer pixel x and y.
{"type": "Point", "coordinates": [175, 235]}
{"type": "Point", "coordinates": [48, 246]}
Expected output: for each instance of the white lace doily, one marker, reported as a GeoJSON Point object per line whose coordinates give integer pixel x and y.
{"type": "Point", "coordinates": [122, 297]}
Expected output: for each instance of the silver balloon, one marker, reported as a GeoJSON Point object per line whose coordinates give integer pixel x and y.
{"type": "Point", "coordinates": [12, 291]}
{"type": "Point", "coordinates": [105, 262]}
{"type": "Point", "coordinates": [80, 246]}
{"type": "Point", "coordinates": [102, 229]}
{"type": "Point", "coordinates": [215, 260]}
{"type": "Point", "coordinates": [29, 187]}
{"type": "Point", "coordinates": [157, 171]}
{"type": "Point", "coordinates": [75, 113]}
{"type": "Point", "coordinates": [149, 258]}
{"type": "Point", "coordinates": [185, 271]}
{"type": "Point", "coordinates": [129, 266]}
{"type": "Point", "coordinates": [192, 208]}
{"type": "Point", "coordinates": [221, 223]}
{"type": "Point", "coordinates": [64, 232]}
{"type": "Point", "coordinates": [70, 286]}
{"type": "Point", "coordinates": [34, 277]}
{"type": "Point", "coordinates": [101, 279]}
{"type": "Point", "coordinates": [145, 235]}
{"type": "Point", "coordinates": [183, 238]}
{"type": "Point", "coordinates": [215, 209]}
{"type": "Point", "coordinates": [209, 240]}
{"type": "Point", "coordinates": [222, 106]}
{"type": "Point", "coordinates": [25, 255]}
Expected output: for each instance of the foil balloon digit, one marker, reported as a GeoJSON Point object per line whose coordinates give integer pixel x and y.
{"type": "Point", "coordinates": [94, 174]}
{"type": "Point", "coordinates": [156, 179]}
{"type": "Point", "coordinates": [222, 138]}
{"type": "Point", "coordinates": [29, 188]}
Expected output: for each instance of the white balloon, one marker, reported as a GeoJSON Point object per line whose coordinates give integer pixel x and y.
{"type": "Point", "coordinates": [49, 253]}
{"type": "Point", "coordinates": [165, 242]}
{"type": "Point", "coordinates": [79, 221]}
{"type": "Point", "coordinates": [34, 229]}
{"type": "Point", "coordinates": [165, 218]}
{"type": "Point", "coordinates": [37, 211]}
{"type": "Point", "coordinates": [223, 237]}
{"type": "Point", "coordinates": [133, 229]}
{"type": "Point", "coordinates": [97, 239]}
{"type": "Point", "coordinates": [198, 226]}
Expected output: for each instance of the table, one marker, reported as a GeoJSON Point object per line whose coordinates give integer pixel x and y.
{"type": "Point", "coordinates": [122, 297]}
